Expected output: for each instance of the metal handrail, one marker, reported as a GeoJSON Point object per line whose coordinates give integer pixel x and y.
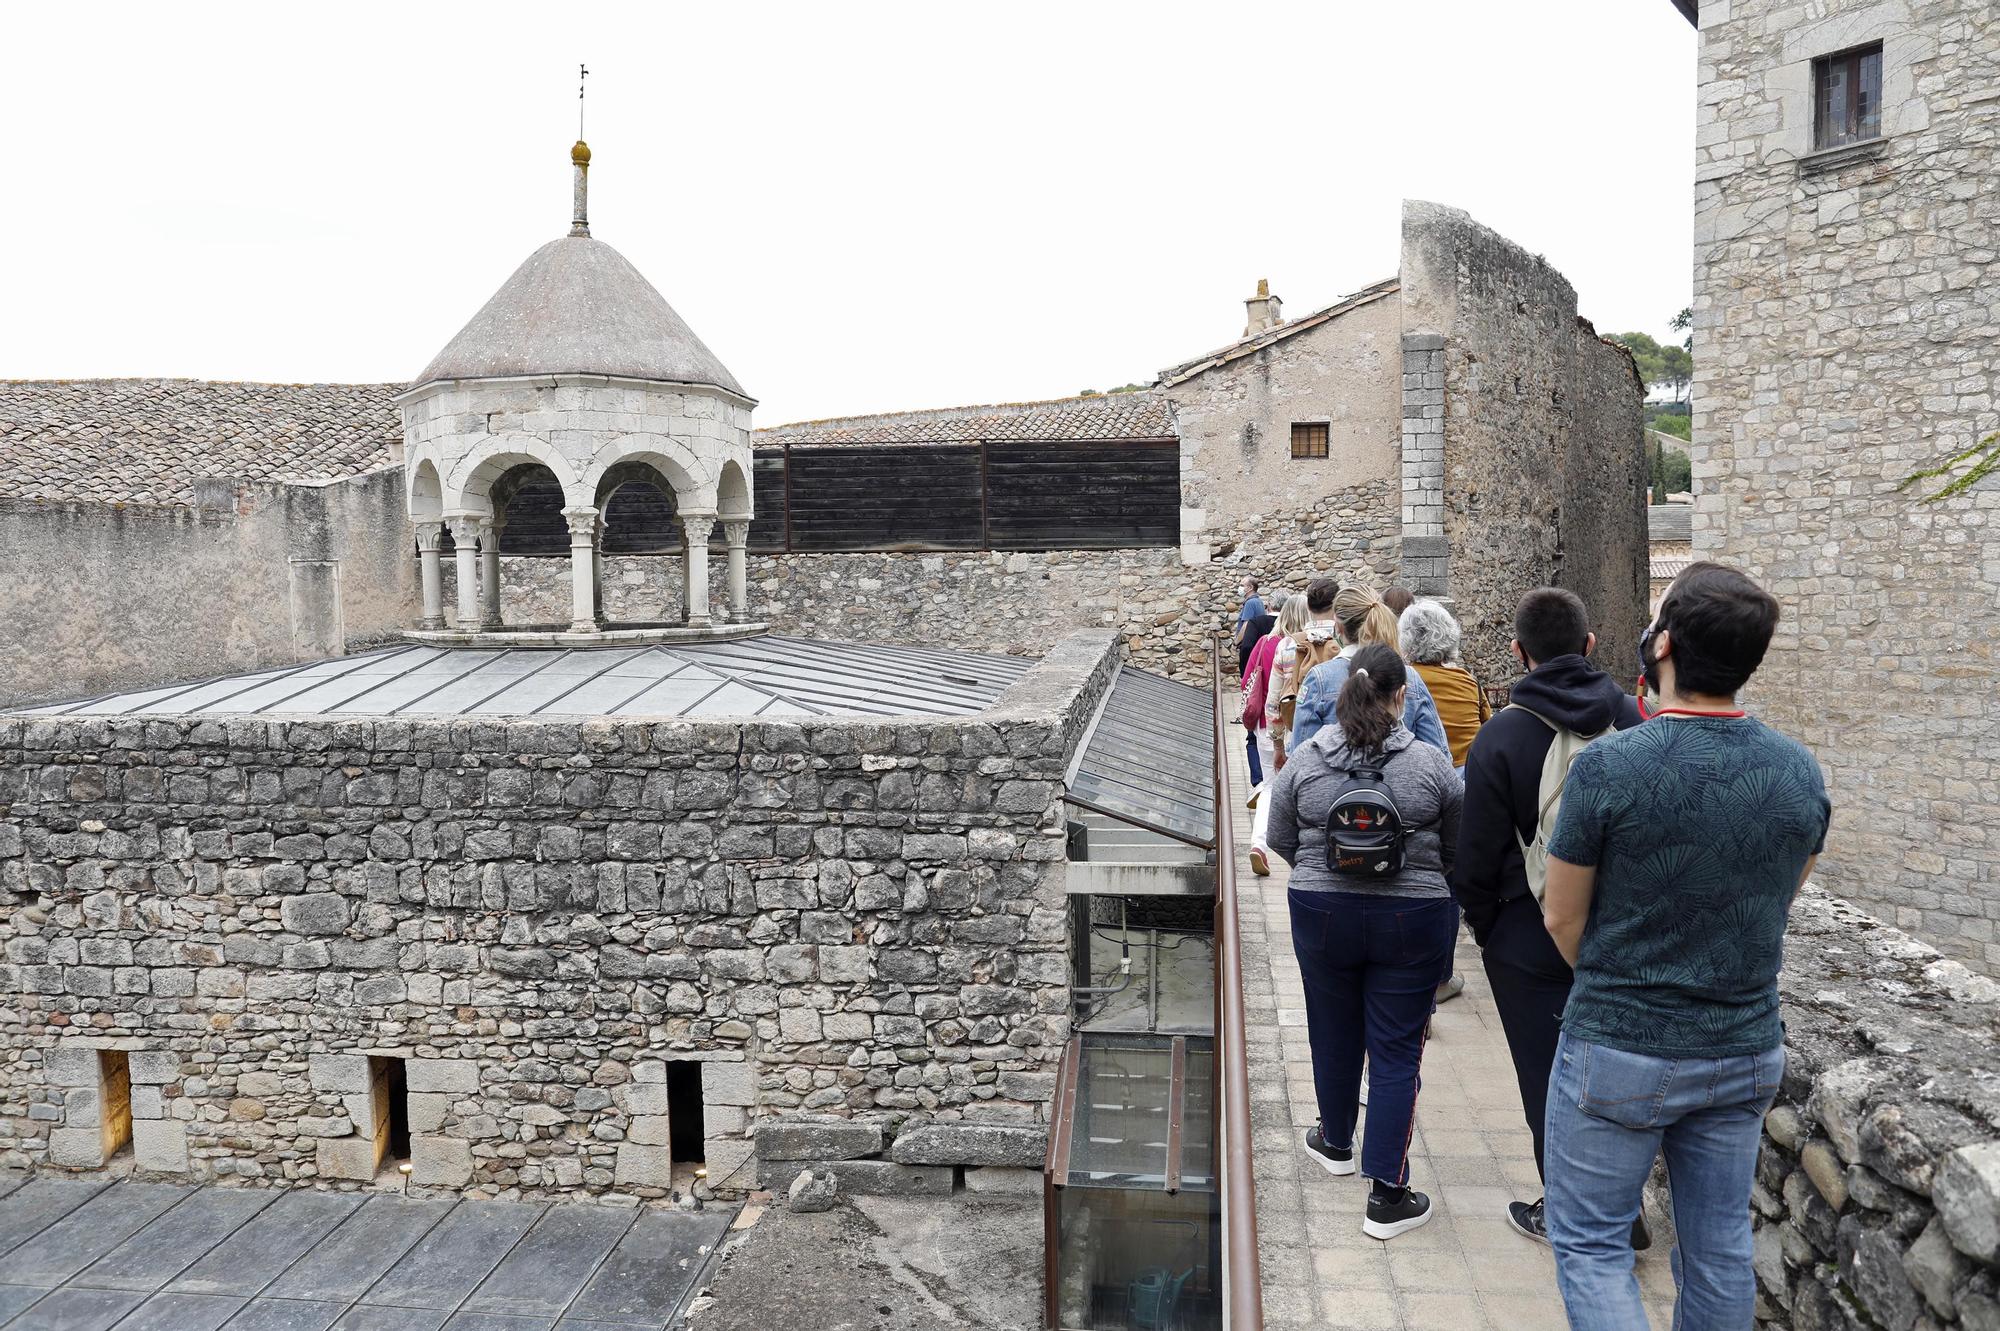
{"type": "Point", "coordinates": [1242, 1293]}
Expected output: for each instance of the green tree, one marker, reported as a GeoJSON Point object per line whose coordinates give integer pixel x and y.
{"type": "Point", "coordinates": [1673, 423]}
{"type": "Point", "coordinates": [1676, 472]}
{"type": "Point", "coordinates": [1661, 366]}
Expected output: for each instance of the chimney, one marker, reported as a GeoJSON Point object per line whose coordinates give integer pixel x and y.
{"type": "Point", "coordinates": [1263, 309]}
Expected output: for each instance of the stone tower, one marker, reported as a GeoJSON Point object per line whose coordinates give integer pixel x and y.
{"type": "Point", "coordinates": [577, 366]}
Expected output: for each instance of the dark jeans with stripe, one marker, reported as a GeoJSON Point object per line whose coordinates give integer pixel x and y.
{"type": "Point", "coordinates": [1371, 965]}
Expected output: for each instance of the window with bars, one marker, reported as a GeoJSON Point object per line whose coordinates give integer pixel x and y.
{"type": "Point", "coordinates": [1308, 439]}
{"type": "Point", "coordinates": [1847, 97]}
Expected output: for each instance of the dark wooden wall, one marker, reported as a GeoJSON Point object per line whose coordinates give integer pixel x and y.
{"type": "Point", "coordinates": [983, 496]}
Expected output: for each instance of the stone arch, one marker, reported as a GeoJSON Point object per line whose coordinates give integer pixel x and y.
{"type": "Point", "coordinates": [469, 489]}
{"type": "Point", "coordinates": [425, 492]}
{"type": "Point", "coordinates": [686, 473]}
{"type": "Point", "coordinates": [639, 510]}
{"type": "Point", "coordinates": [732, 491]}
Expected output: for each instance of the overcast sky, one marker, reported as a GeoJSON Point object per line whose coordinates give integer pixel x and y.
{"type": "Point", "coordinates": [859, 207]}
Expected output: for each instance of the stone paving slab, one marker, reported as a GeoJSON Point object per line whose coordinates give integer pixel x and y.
{"type": "Point", "coordinates": [263, 1249]}
{"type": "Point", "coordinates": [84, 1256]}
{"type": "Point", "coordinates": [1467, 1269]}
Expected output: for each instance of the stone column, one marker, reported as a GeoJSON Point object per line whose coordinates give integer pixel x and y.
{"type": "Point", "coordinates": [582, 569]}
{"type": "Point", "coordinates": [696, 527]}
{"type": "Point", "coordinates": [430, 535]}
{"type": "Point", "coordinates": [465, 534]}
{"type": "Point", "coordinates": [737, 532]}
{"type": "Point", "coordinates": [489, 573]}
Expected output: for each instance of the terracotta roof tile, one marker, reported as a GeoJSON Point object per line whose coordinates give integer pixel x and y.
{"type": "Point", "coordinates": [1135, 415]}
{"type": "Point", "coordinates": [146, 441]}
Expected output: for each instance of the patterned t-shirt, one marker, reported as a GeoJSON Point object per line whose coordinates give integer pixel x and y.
{"type": "Point", "coordinates": [1699, 828]}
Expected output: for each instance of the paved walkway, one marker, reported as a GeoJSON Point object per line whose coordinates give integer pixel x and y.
{"type": "Point", "coordinates": [1466, 1269]}
{"type": "Point", "coordinates": [87, 1255]}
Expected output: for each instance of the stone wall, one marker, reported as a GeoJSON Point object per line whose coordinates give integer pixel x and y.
{"type": "Point", "coordinates": [1017, 602]}
{"type": "Point", "coordinates": [833, 917]}
{"type": "Point", "coordinates": [105, 596]}
{"type": "Point", "coordinates": [1878, 1188]}
{"type": "Point", "coordinates": [1846, 308]}
{"type": "Point", "coordinates": [1603, 542]}
{"type": "Point", "coordinates": [1235, 423]}
{"type": "Point", "coordinates": [1543, 460]}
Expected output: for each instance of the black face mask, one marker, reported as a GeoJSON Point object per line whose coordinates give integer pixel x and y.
{"type": "Point", "coordinates": [1649, 665]}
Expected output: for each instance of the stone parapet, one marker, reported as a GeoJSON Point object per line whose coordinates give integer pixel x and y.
{"type": "Point", "coordinates": [1878, 1187]}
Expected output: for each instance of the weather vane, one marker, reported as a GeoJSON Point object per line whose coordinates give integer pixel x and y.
{"type": "Point", "coordinates": [581, 75]}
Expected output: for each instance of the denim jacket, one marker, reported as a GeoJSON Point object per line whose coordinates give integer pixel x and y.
{"type": "Point", "coordinates": [1322, 686]}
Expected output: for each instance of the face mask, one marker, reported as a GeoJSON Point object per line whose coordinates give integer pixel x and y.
{"type": "Point", "coordinates": [1649, 665]}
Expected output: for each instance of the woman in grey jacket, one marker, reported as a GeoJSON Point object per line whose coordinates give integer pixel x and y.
{"type": "Point", "coordinates": [1372, 950]}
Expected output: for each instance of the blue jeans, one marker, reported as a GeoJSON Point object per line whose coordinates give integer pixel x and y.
{"type": "Point", "coordinates": [1371, 966]}
{"type": "Point", "coordinates": [1610, 1113]}
{"type": "Point", "coordinates": [1256, 760]}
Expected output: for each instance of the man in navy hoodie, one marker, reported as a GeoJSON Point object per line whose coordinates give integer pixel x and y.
{"type": "Point", "coordinates": [1503, 777]}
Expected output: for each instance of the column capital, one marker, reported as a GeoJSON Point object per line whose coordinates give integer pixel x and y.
{"type": "Point", "coordinates": [430, 536]}
{"type": "Point", "coordinates": [736, 531]}
{"type": "Point", "coordinates": [698, 526]}
{"type": "Point", "coordinates": [465, 529]}
{"type": "Point", "coordinates": [582, 522]}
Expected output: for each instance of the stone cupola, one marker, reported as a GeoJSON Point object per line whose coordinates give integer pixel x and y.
{"type": "Point", "coordinates": [579, 367]}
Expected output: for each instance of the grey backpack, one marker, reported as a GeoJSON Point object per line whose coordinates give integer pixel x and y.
{"type": "Point", "coordinates": [1548, 800]}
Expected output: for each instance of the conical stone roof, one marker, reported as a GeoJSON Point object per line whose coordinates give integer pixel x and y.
{"type": "Point", "coordinates": [577, 306]}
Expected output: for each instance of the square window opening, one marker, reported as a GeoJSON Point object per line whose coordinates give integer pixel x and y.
{"type": "Point", "coordinates": [1309, 439]}
{"type": "Point", "coordinates": [1847, 97]}
{"type": "Point", "coordinates": [686, 1133]}
{"type": "Point", "coordinates": [114, 1101]}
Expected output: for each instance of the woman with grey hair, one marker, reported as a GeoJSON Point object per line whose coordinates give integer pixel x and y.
{"type": "Point", "coordinates": [1429, 639]}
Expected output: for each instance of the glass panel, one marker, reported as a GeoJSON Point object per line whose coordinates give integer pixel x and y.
{"type": "Point", "coordinates": [1129, 1255]}
{"type": "Point", "coordinates": [1868, 95]}
{"type": "Point", "coordinates": [1830, 114]}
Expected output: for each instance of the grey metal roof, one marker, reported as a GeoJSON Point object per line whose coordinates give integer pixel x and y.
{"type": "Point", "coordinates": [577, 306]}
{"type": "Point", "coordinates": [1670, 522]}
{"type": "Point", "coordinates": [768, 676]}
{"type": "Point", "coordinates": [1149, 758]}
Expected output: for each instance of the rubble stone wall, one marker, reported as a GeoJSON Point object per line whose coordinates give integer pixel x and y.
{"type": "Point", "coordinates": [835, 917]}
{"type": "Point", "coordinates": [1878, 1187]}
{"type": "Point", "coordinates": [102, 596]}
{"type": "Point", "coordinates": [1846, 309]}
{"type": "Point", "coordinates": [1543, 455]}
{"type": "Point", "coordinates": [1016, 602]}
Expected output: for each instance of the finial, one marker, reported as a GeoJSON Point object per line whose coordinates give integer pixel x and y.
{"type": "Point", "coordinates": [579, 158]}
{"type": "Point", "coordinates": [1263, 287]}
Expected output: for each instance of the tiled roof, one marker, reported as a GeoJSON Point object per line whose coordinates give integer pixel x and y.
{"type": "Point", "coordinates": [146, 441]}
{"type": "Point", "coordinates": [1669, 561]}
{"type": "Point", "coordinates": [1135, 415]}
{"type": "Point", "coordinates": [1245, 346]}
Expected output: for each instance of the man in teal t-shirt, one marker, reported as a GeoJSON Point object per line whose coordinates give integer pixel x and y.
{"type": "Point", "coordinates": [1677, 853]}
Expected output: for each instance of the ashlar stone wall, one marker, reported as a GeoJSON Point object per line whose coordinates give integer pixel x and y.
{"type": "Point", "coordinates": [1878, 1187]}
{"type": "Point", "coordinates": [1847, 306]}
{"type": "Point", "coordinates": [834, 917]}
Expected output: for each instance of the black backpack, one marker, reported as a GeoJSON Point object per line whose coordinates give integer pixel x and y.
{"type": "Point", "coordinates": [1365, 831]}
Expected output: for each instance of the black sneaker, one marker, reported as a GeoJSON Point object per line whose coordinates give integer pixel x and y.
{"type": "Point", "coordinates": [1529, 1220]}
{"type": "Point", "coordinates": [1396, 1213]}
{"type": "Point", "coordinates": [1331, 1159]}
{"type": "Point", "coordinates": [1642, 1238]}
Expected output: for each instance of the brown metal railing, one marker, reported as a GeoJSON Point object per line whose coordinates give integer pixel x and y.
{"type": "Point", "coordinates": [1242, 1291]}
